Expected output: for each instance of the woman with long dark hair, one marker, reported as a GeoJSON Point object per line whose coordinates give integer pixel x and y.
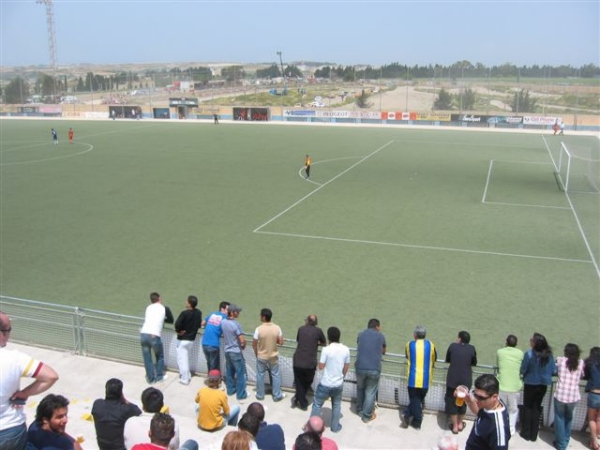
{"type": "Point", "coordinates": [592, 375]}
{"type": "Point", "coordinates": [537, 369]}
{"type": "Point", "coordinates": [566, 396]}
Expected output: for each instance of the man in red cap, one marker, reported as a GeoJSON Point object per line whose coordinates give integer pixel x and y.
{"type": "Point", "coordinates": [214, 411]}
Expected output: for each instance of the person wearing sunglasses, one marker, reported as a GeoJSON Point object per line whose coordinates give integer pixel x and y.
{"type": "Point", "coordinates": [491, 430]}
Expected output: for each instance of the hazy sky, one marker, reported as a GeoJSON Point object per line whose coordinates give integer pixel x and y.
{"type": "Point", "coordinates": [341, 32]}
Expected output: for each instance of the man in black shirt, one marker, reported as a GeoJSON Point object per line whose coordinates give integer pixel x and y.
{"type": "Point", "coordinates": [308, 339]}
{"type": "Point", "coordinates": [187, 325]}
{"type": "Point", "coordinates": [491, 430]}
{"type": "Point", "coordinates": [110, 415]}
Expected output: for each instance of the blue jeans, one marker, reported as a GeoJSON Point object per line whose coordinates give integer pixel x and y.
{"type": "Point", "coordinates": [323, 393]}
{"type": "Point", "coordinates": [416, 397]}
{"type": "Point", "coordinates": [367, 383]}
{"type": "Point", "coordinates": [211, 354]}
{"type": "Point", "coordinates": [150, 343]}
{"type": "Point", "coordinates": [271, 366]}
{"type": "Point", "coordinates": [232, 417]}
{"type": "Point", "coordinates": [14, 438]}
{"type": "Point", "coordinates": [563, 419]}
{"type": "Point", "coordinates": [190, 444]}
{"type": "Point", "coordinates": [235, 369]}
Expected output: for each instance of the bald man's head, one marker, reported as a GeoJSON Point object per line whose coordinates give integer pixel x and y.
{"type": "Point", "coordinates": [5, 328]}
{"type": "Point", "coordinates": [315, 424]}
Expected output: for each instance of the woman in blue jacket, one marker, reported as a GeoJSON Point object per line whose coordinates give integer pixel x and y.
{"type": "Point", "coordinates": [537, 369]}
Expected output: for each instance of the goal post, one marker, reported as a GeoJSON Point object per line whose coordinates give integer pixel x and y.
{"type": "Point", "coordinates": [578, 170]}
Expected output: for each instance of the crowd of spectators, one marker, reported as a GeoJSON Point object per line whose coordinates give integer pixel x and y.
{"type": "Point", "coordinates": [122, 425]}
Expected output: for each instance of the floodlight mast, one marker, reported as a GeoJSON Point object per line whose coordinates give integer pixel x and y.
{"type": "Point", "coordinates": [51, 34]}
{"type": "Point", "coordinates": [282, 74]}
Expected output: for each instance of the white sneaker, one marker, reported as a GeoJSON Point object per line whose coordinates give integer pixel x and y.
{"type": "Point", "coordinates": [164, 378]}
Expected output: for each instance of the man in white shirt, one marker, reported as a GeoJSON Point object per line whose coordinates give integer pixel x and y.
{"type": "Point", "coordinates": [334, 362]}
{"type": "Point", "coordinates": [150, 338]}
{"type": "Point", "coordinates": [15, 365]}
{"type": "Point", "coordinates": [136, 428]}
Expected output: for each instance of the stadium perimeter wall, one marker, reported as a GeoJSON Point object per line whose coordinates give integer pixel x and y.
{"type": "Point", "coordinates": [573, 122]}
{"type": "Point", "coordinates": [110, 336]}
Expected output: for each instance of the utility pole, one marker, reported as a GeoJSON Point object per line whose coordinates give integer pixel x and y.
{"type": "Point", "coordinates": [282, 74]}
{"type": "Point", "coordinates": [51, 38]}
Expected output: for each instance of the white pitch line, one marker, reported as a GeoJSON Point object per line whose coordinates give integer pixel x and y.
{"type": "Point", "coordinates": [35, 161]}
{"type": "Point", "coordinates": [487, 181]}
{"type": "Point", "coordinates": [426, 247]}
{"type": "Point", "coordinates": [587, 244]}
{"type": "Point", "coordinates": [322, 186]}
{"type": "Point", "coordinates": [528, 206]}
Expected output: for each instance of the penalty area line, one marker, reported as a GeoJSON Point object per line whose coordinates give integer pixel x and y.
{"type": "Point", "coordinates": [425, 247]}
{"type": "Point", "coordinates": [293, 205]}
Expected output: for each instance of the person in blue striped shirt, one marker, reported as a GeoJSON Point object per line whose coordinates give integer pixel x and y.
{"type": "Point", "coordinates": [420, 358]}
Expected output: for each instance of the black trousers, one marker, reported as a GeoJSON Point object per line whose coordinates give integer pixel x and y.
{"type": "Point", "coordinates": [303, 379]}
{"type": "Point", "coordinates": [533, 395]}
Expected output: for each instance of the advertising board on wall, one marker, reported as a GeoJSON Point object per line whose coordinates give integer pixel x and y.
{"type": "Point", "coordinates": [479, 118]}
{"type": "Point", "coordinates": [251, 114]}
{"type": "Point", "coordinates": [541, 120]}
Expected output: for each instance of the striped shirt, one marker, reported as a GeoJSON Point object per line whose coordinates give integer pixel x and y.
{"type": "Point", "coordinates": [567, 388]}
{"type": "Point", "coordinates": [14, 365]}
{"type": "Point", "coordinates": [420, 356]}
{"type": "Point", "coordinates": [490, 431]}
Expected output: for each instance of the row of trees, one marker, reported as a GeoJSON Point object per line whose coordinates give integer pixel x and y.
{"type": "Point", "coordinates": [460, 69]}
{"type": "Point", "coordinates": [465, 100]}
{"type": "Point", "coordinates": [19, 90]}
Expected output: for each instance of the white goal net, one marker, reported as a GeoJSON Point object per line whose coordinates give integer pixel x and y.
{"type": "Point", "coordinates": [578, 170]}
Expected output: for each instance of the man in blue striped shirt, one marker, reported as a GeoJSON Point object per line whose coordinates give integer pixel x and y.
{"type": "Point", "coordinates": [420, 358]}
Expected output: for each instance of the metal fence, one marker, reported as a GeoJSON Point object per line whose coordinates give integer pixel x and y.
{"type": "Point", "coordinates": [104, 335]}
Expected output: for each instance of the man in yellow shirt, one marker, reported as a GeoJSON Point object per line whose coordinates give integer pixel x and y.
{"type": "Point", "coordinates": [213, 407]}
{"type": "Point", "coordinates": [307, 164]}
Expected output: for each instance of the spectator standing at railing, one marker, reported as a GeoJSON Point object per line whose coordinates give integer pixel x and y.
{"type": "Point", "coordinates": [308, 338]}
{"type": "Point", "coordinates": [211, 339]}
{"type": "Point", "coordinates": [537, 369]}
{"type": "Point", "coordinates": [592, 387]}
{"type": "Point", "coordinates": [334, 362]}
{"type": "Point", "coordinates": [235, 364]}
{"type": "Point", "coordinates": [462, 356]}
{"type": "Point", "coordinates": [508, 360]}
{"type": "Point", "coordinates": [186, 326]}
{"type": "Point", "coordinates": [15, 365]}
{"type": "Point", "coordinates": [150, 338]}
{"type": "Point", "coordinates": [370, 349]}
{"type": "Point", "coordinates": [267, 337]}
{"type": "Point", "coordinates": [570, 371]}
{"type": "Point", "coordinates": [420, 359]}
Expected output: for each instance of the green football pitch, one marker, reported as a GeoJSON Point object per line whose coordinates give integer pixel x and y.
{"type": "Point", "coordinates": [449, 229]}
